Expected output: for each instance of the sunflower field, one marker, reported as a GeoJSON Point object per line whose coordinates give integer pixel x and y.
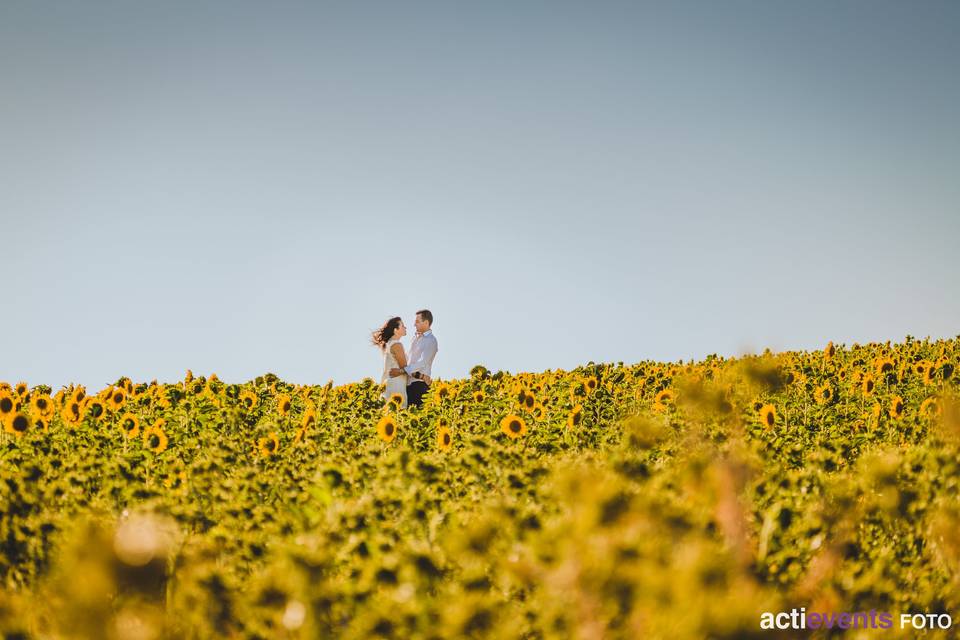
{"type": "Point", "coordinates": [650, 500]}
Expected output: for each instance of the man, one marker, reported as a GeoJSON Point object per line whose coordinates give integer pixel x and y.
{"type": "Point", "coordinates": [422, 352]}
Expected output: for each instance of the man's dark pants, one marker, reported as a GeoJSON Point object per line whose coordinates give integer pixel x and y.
{"type": "Point", "coordinates": [415, 392]}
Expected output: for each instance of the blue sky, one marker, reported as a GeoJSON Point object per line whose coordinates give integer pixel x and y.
{"type": "Point", "coordinates": [248, 187]}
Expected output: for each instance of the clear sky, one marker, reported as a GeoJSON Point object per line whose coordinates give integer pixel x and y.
{"type": "Point", "coordinates": [244, 187]}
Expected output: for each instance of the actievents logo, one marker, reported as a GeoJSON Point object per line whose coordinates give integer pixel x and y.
{"type": "Point", "coordinates": [873, 619]}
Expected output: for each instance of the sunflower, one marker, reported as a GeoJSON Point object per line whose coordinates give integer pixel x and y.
{"type": "Point", "coordinates": [444, 439]}
{"type": "Point", "coordinates": [130, 425]}
{"type": "Point", "coordinates": [590, 384]}
{"type": "Point", "coordinates": [16, 423]}
{"type": "Point", "coordinates": [868, 384]}
{"type": "Point", "coordinates": [21, 389]}
{"type": "Point", "coordinates": [856, 377]}
{"type": "Point", "coordinates": [663, 399]}
{"type": "Point", "coordinates": [884, 365]}
{"type": "Point", "coordinates": [478, 396]}
{"type": "Point", "coordinates": [930, 408]}
{"type": "Point", "coordinates": [522, 396]}
{"type": "Point", "coordinates": [42, 405]}
{"type": "Point", "coordinates": [575, 417]}
{"type": "Point", "coordinates": [309, 419]}
{"type": "Point", "coordinates": [529, 402]}
{"type": "Point", "coordinates": [539, 411]}
{"type": "Point", "coordinates": [577, 390]}
{"type": "Point", "coordinates": [513, 426]}
{"type": "Point", "coordinates": [248, 399]}
{"type": "Point", "coordinates": [162, 398]}
{"type": "Point", "coordinates": [269, 444]}
{"type": "Point", "coordinates": [284, 404]}
{"type": "Point", "coordinates": [800, 379]}
{"type": "Point", "coordinates": [94, 408]}
{"type": "Point", "coordinates": [8, 404]}
{"type": "Point", "coordinates": [387, 428]}
{"type": "Point", "coordinates": [824, 394]}
{"type": "Point", "coordinates": [396, 400]}
{"type": "Point", "coordinates": [41, 423]}
{"type": "Point", "coordinates": [943, 368]}
{"type": "Point", "coordinates": [175, 480]}
{"type": "Point", "coordinates": [117, 398]}
{"type": "Point", "coordinates": [154, 438]}
{"type": "Point", "coordinates": [768, 415]}
{"type": "Point", "coordinates": [896, 407]}
{"type": "Point", "coordinates": [829, 351]}
{"type": "Point", "coordinates": [71, 412]}
{"type": "Point", "coordinates": [442, 392]}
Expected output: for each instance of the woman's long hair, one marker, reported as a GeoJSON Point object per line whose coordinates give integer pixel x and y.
{"type": "Point", "coordinates": [382, 335]}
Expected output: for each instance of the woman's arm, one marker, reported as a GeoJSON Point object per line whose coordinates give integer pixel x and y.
{"type": "Point", "coordinates": [398, 353]}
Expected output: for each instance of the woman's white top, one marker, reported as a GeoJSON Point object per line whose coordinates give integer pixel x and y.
{"type": "Point", "coordinates": [390, 361]}
{"type": "Point", "coordinates": [397, 384]}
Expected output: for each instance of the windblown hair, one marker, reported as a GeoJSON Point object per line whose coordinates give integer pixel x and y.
{"type": "Point", "coordinates": [383, 335]}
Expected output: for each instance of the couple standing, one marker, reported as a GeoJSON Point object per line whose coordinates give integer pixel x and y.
{"type": "Point", "coordinates": [407, 377]}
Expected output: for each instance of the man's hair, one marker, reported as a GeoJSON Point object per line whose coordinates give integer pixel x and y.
{"type": "Point", "coordinates": [426, 315]}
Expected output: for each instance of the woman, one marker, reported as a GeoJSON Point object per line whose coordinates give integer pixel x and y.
{"type": "Point", "coordinates": [387, 338]}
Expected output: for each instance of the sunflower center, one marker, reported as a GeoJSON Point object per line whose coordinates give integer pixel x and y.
{"type": "Point", "coordinates": [515, 426]}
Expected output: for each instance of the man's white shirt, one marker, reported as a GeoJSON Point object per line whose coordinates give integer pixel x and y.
{"type": "Point", "coordinates": [422, 352]}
